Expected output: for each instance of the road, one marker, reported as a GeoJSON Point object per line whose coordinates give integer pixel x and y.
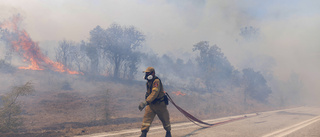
{"type": "Point", "coordinates": [295, 122]}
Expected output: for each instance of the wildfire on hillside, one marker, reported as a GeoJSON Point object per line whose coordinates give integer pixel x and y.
{"type": "Point", "coordinates": [20, 42]}
{"type": "Point", "coordinates": [179, 93]}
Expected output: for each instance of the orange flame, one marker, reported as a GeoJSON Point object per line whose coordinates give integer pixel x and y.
{"type": "Point", "coordinates": [179, 93]}
{"type": "Point", "coordinates": [22, 43]}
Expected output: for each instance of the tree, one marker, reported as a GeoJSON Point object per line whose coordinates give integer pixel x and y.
{"type": "Point", "coordinates": [79, 58]}
{"type": "Point", "coordinates": [11, 109]}
{"type": "Point", "coordinates": [64, 52]}
{"type": "Point", "coordinates": [131, 65]}
{"type": "Point", "coordinates": [71, 55]}
{"type": "Point", "coordinates": [166, 64]}
{"type": "Point", "coordinates": [215, 69]}
{"type": "Point", "coordinates": [97, 40]}
{"type": "Point", "coordinates": [150, 59]}
{"type": "Point", "coordinates": [92, 53]}
{"type": "Point", "coordinates": [120, 45]}
{"type": "Point", "coordinates": [179, 68]}
{"type": "Point", "coordinates": [255, 85]}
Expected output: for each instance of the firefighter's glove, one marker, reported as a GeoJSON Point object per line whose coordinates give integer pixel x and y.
{"type": "Point", "coordinates": [142, 105]}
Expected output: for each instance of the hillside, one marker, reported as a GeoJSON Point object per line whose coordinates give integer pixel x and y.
{"type": "Point", "coordinates": [69, 105]}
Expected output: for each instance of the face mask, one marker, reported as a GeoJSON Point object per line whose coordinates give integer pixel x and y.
{"type": "Point", "coordinates": [148, 76]}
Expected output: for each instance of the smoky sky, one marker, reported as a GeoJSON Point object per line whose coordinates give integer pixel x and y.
{"type": "Point", "coordinates": [288, 38]}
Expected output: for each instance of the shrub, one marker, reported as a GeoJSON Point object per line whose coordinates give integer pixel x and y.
{"type": "Point", "coordinates": [10, 110]}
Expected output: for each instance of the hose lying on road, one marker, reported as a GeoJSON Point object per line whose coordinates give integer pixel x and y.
{"type": "Point", "coordinates": [197, 121]}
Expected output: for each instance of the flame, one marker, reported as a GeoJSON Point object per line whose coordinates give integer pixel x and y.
{"type": "Point", "coordinates": [21, 42]}
{"type": "Point", "coordinates": [179, 93]}
{"type": "Point", "coordinates": [11, 25]}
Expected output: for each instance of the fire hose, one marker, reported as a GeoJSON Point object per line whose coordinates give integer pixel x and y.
{"type": "Point", "coordinates": [199, 122]}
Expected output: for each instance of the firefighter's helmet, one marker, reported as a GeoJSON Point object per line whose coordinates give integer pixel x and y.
{"type": "Point", "coordinates": [149, 69]}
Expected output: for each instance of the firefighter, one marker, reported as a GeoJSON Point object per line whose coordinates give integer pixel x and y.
{"type": "Point", "coordinates": [155, 102]}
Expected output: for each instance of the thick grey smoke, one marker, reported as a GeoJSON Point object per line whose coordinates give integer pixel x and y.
{"type": "Point", "coordinates": [287, 44]}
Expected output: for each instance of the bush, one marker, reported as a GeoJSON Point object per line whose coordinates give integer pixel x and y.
{"type": "Point", "coordinates": [105, 94]}
{"type": "Point", "coordinates": [10, 110]}
{"type": "Point", "coordinates": [66, 86]}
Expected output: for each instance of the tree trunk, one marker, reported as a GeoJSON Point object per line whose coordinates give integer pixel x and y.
{"type": "Point", "coordinates": [116, 67]}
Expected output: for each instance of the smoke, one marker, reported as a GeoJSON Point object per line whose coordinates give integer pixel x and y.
{"type": "Point", "coordinates": [287, 42]}
{"type": "Point", "coordinates": [269, 45]}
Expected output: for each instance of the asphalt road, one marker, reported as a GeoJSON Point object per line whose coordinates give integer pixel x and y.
{"type": "Point", "coordinates": [295, 122]}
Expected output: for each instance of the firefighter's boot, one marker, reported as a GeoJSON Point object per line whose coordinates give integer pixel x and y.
{"type": "Point", "coordinates": [144, 134]}
{"type": "Point", "coordinates": [168, 134]}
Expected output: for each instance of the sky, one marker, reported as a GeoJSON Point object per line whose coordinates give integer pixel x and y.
{"type": "Point", "coordinates": [288, 39]}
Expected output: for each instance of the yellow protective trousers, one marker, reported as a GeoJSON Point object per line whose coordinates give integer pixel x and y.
{"type": "Point", "coordinates": [159, 109]}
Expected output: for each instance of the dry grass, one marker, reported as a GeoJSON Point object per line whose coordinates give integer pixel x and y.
{"type": "Point", "coordinates": [53, 111]}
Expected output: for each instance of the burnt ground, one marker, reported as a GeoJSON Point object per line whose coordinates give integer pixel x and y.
{"type": "Point", "coordinates": [73, 105]}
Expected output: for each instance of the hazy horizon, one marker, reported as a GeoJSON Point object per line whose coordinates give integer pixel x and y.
{"type": "Point", "coordinates": [287, 41]}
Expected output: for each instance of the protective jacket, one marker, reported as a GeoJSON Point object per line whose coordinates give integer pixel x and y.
{"type": "Point", "coordinates": [155, 98]}
{"type": "Point", "coordinates": [155, 92]}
